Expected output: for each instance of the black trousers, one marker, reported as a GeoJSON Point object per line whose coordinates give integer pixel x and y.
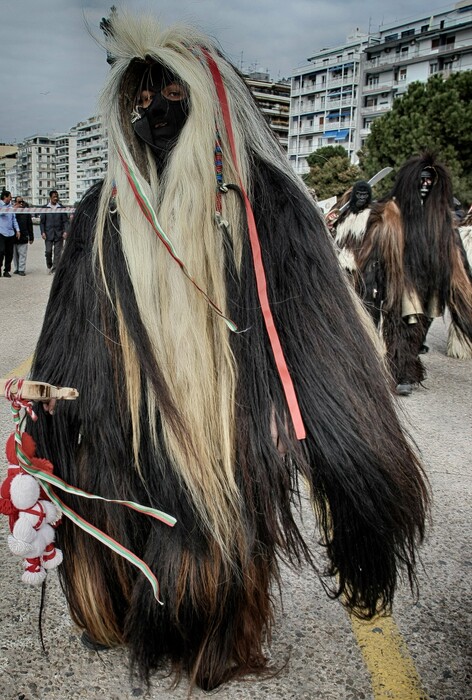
{"type": "Point", "coordinates": [50, 248]}
{"type": "Point", "coordinates": [6, 252]}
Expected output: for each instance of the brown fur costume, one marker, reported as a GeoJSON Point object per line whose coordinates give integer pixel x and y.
{"type": "Point", "coordinates": [410, 266]}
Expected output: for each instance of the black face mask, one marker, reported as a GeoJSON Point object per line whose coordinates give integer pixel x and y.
{"type": "Point", "coordinates": [162, 121]}
{"type": "Point", "coordinates": [361, 197]}
{"type": "Point", "coordinates": [426, 183]}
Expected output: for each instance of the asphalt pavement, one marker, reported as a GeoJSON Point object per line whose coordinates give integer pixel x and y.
{"type": "Point", "coordinates": [316, 652]}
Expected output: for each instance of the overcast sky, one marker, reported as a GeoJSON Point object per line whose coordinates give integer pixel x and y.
{"type": "Point", "coordinates": [52, 70]}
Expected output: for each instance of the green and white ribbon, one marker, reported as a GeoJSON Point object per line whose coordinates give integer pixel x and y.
{"type": "Point", "coordinates": [48, 480]}
{"type": "Point", "coordinates": [148, 211]}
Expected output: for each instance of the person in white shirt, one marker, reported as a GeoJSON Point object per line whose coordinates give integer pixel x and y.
{"type": "Point", "coordinates": [8, 230]}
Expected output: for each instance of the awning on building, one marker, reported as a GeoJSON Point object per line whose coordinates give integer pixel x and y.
{"type": "Point", "coordinates": [337, 134]}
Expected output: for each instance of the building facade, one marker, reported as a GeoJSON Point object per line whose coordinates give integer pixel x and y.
{"type": "Point", "coordinates": [92, 154]}
{"type": "Point", "coordinates": [414, 51]}
{"type": "Point", "coordinates": [69, 163]}
{"type": "Point", "coordinates": [8, 153]}
{"type": "Point", "coordinates": [273, 99]}
{"type": "Point", "coordinates": [337, 96]}
{"type": "Point", "coordinates": [66, 167]}
{"type": "Point", "coordinates": [36, 168]}
{"type": "Point", "coordinates": [323, 104]}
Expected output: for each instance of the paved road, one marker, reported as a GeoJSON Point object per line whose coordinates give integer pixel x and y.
{"type": "Point", "coordinates": [318, 652]}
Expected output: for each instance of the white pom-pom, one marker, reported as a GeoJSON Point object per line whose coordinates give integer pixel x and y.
{"type": "Point", "coordinates": [54, 561]}
{"type": "Point", "coordinates": [34, 578]}
{"type": "Point", "coordinates": [24, 491]}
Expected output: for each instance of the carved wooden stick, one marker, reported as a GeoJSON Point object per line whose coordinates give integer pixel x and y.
{"type": "Point", "coordinates": [38, 391]}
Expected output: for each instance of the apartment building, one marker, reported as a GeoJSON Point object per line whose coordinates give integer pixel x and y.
{"type": "Point", "coordinates": [324, 100]}
{"type": "Point", "coordinates": [69, 163]}
{"type": "Point", "coordinates": [8, 153]}
{"type": "Point", "coordinates": [92, 154]}
{"type": "Point", "coordinates": [36, 168]}
{"type": "Point", "coordinates": [66, 167]}
{"type": "Point", "coordinates": [401, 54]}
{"type": "Point", "coordinates": [273, 99]}
{"type": "Point", "coordinates": [336, 97]}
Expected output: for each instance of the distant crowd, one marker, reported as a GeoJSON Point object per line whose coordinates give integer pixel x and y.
{"type": "Point", "coordinates": [16, 233]}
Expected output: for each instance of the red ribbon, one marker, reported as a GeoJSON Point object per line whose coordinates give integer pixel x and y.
{"type": "Point", "coordinates": [261, 281]}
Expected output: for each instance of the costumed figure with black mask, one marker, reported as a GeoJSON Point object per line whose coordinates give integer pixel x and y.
{"type": "Point", "coordinates": [412, 266]}
{"type": "Point", "coordinates": [351, 225]}
{"type": "Point", "coordinates": [458, 344]}
{"type": "Point", "coordinates": [222, 362]}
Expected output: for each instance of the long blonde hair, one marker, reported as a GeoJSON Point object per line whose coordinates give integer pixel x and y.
{"type": "Point", "coordinates": [190, 343]}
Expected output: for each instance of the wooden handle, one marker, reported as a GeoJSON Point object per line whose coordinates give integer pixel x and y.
{"type": "Point", "coordinates": [39, 391]}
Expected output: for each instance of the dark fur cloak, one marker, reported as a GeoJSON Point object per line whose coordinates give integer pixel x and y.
{"type": "Point", "coordinates": [411, 248]}
{"type": "Point", "coordinates": [365, 482]}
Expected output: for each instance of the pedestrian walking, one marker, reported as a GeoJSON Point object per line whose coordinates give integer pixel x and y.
{"type": "Point", "coordinates": [53, 230]}
{"type": "Point", "coordinates": [26, 237]}
{"type": "Point", "coordinates": [9, 230]}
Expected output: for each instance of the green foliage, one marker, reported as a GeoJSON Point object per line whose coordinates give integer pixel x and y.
{"type": "Point", "coordinates": [331, 172]}
{"type": "Point", "coordinates": [435, 116]}
{"type": "Point", "coordinates": [324, 154]}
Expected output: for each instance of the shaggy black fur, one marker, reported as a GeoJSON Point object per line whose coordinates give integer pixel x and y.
{"type": "Point", "coordinates": [367, 487]}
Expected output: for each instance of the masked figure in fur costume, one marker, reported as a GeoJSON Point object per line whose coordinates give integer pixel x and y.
{"type": "Point", "coordinates": [458, 344]}
{"type": "Point", "coordinates": [410, 265]}
{"type": "Point", "coordinates": [350, 227]}
{"type": "Point", "coordinates": [178, 411]}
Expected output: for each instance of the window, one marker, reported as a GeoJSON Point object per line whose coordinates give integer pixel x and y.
{"type": "Point", "coordinates": [433, 68]}
{"type": "Point", "coordinates": [402, 74]}
{"type": "Point", "coordinates": [373, 80]}
{"type": "Point", "coordinates": [408, 32]}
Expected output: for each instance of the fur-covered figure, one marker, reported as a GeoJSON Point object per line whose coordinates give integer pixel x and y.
{"type": "Point", "coordinates": [411, 266]}
{"type": "Point", "coordinates": [349, 228]}
{"type": "Point", "coordinates": [458, 344]}
{"type": "Point", "coordinates": [178, 411]}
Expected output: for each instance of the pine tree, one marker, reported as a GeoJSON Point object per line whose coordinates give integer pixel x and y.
{"type": "Point", "coordinates": [436, 116]}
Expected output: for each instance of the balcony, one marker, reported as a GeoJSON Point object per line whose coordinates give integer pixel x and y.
{"type": "Point", "coordinates": [347, 124]}
{"type": "Point", "coordinates": [335, 61]}
{"type": "Point", "coordinates": [377, 109]}
{"type": "Point", "coordinates": [340, 82]}
{"type": "Point", "coordinates": [385, 86]}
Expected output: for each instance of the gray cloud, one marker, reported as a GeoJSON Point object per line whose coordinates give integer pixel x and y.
{"type": "Point", "coordinates": [52, 69]}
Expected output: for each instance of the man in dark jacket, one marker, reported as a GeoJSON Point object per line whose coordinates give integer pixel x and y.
{"type": "Point", "coordinates": [26, 237]}
{"type": "Point", "coordinates": [53, 230]}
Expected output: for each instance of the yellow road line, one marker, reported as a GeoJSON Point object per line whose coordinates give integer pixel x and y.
{"type": "Point", "coordinates": [20, 371]}
{"type": "Point", "coordinates": [388, 660]}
